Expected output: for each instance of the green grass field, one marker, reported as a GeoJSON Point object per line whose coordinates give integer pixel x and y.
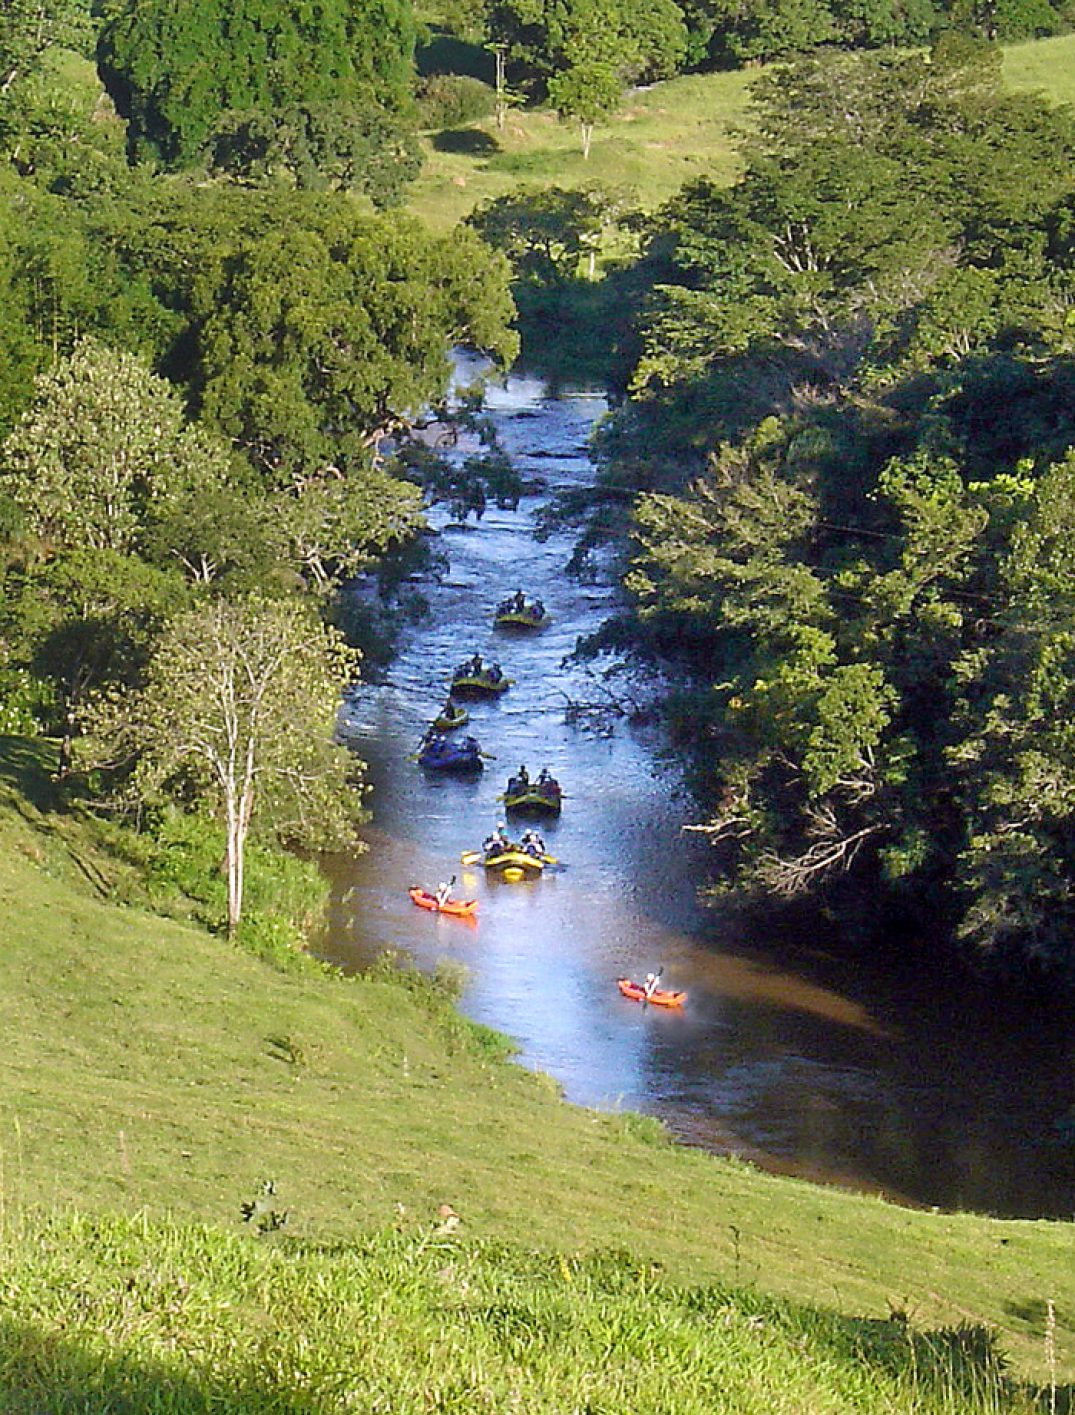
{"type": "Point", "coordinates": [661, 137]}
{"type": "Point", "coordinates": [128, 1315]}
{"type": "Point", "coordinates": [152, 1069]}
{"type": "Point", "coordinates": [1044, 66]}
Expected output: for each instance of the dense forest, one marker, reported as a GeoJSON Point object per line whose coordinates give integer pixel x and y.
{"type": "Point", "coordinates": [196, 379]}
{"type": "Point", "coordinates": [841, 453]}
{"type": "Point", "coordinates": [849, 419]}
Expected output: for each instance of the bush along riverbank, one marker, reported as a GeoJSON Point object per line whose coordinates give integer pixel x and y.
{"type": "Point", "coordinates": [167, 1073]}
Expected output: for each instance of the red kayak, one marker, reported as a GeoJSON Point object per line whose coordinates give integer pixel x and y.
{"type": "Point", "coordinates": [660, 997]}
{"type": "Point", "coordinates": [462, 908]}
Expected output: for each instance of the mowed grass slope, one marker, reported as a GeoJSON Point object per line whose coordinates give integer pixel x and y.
{"type": "Point", "coordinates": [1045, 66]}
{"type": "Point", "coordinates": [151, 1068]}
{"type": "Point", "coordinates": [661, 137]}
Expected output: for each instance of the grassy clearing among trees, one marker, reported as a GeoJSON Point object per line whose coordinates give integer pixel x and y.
{"type": "Point", "coordinates": [663, 136]}
{"type": "Point", "coordinates": [161, 1070]}
{"type": "Point", "coordinates": [1045, 65]}
{"type": "Point", "coordinates": [660, 138]}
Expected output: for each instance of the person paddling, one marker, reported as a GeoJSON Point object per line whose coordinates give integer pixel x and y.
{"type": "Point", "coordinates": [444, 892]}
{"type": "Point", "coordinates": [649, 987]}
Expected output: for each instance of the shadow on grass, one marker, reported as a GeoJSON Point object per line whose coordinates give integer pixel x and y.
{"type": "Point", "coordinates": [41, 1370]}
{"type": "Point", "coordinates": [960, 1366]}
{"type": "Point", "coordinates": [27, 765]}
{"type": "Point", "coordinates": [951, 1368]}
{"type": "Point", "coordinates": [467, 142]}
{"type": "Point", "coordinates": [1035, 1312]}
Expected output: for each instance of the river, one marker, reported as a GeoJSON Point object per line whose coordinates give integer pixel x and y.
{"type": "Point", "coordinates": [800, 1058]}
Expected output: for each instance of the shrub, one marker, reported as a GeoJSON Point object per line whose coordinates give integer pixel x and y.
{"type": "Point", "coordinates": [284, 895]}
{"type": "Point", "coordinates": [453, 101]}
{"type": "Point", "coordinates": [24, 699]}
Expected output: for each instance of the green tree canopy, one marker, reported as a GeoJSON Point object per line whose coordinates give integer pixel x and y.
{"type": "Point", "coordinates": [850, 419]}
{"type": "Point", "coordinates": [322, 335]}
{"type": "Point", "coordinates": [632, 40]}
{"type": "Point", "coordinates": [103, 445]}
{"type": "Point", "coordinates": [546, 232]}
{"type": "Point", "coordinates": [586, 92]}
{"type": "Point", "coordinates": [84, 622]}
{"type": "Point", "coordinates": [182, 74]}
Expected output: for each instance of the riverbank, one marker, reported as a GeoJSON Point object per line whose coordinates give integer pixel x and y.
{"type": "Point", "coordinates": [159, 1071]}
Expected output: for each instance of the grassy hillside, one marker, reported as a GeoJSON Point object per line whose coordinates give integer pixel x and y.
{"type": "Point", "coordinates": [126, 1315]}
{"type": "Point", "coordinates": [1043, 66]}
{"type": "Point", "coordinates": [151, 1068]}
{"type": "Point", "coordinates": [661, 137]}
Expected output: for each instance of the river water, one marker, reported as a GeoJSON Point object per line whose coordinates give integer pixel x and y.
{"type": "Point", "coordinates": [801, 1058]}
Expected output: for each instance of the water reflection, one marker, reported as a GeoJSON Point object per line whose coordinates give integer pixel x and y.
{"type": "Point", "coordinates": [799, 1060]}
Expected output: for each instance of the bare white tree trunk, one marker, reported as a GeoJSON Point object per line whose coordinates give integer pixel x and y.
{"type": "Point", "coordinates": [501, 91]}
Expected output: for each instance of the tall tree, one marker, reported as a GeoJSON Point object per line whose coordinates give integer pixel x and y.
{"type": "Point", "coordinates": [631, 39]}
{"type": "Point", "coordinates": [1014, 756]}
{"type": "Point", "coordinates": [867, 589]}
{"type": "Point", "coordinates": [82, 624]}
{"type": "Point", "coordinates": [319, 337]}
{"type": "Point", "coordinates": [587, 92]}
{"type": "Point", "coordinates": [104, 442]}
{"type": "Point", "coordinates": [238, 710]}
{"type": "Point", "coordinates": [181, 73]}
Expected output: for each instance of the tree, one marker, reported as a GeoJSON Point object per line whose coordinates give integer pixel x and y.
{"type": "Point", "coordinates": [103, 443]}
{"type": "Point", "coordinates": [238, 711]}
{"type": "Point", "coordinates": [547, 231]}
{"type": "Point", "coordinates": [353, 146]}
{"type": "Point", "coordinates": [587, 92]}
{"type": "Point", "coordinates": [889, 212]}
{"type": "Point", "coordinates": [180, 72]}
{"type": "Point", "coordinates": [56, 285]}
{"type": "Point", "coordinates": [333, 526]}
{"type": "Point", "coordinates": [29, 28]}
{"type": "Point", "coordinates": [631, 39]}
{"type": "Point", "coordinates": [867, 590]}
{"type": "Point", "coordinates": [1014, 757]}
{"type": "Point", "coordinates": [331, 329]}
{"type": "Point", "coordinates": [83, 623]}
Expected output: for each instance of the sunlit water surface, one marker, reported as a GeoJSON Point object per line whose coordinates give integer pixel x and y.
{"type": "Point", "coordinates": [803, 1060]}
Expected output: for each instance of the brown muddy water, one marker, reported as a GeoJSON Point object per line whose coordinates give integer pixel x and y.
{"type": "Point", "coordinates": [806, 1060]}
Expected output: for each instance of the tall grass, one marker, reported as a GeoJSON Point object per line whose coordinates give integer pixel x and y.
{"type": "Point", "coordinates": [125, 1315]}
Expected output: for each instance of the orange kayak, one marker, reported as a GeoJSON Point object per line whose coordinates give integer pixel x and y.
{"type": "Point", "coordinates": [660, 997]}
{"type": "Point", "coordinates": [462, 908]}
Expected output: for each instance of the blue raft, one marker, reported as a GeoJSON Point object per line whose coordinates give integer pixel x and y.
{"type": "Point", "coordinates": [441, 754]}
